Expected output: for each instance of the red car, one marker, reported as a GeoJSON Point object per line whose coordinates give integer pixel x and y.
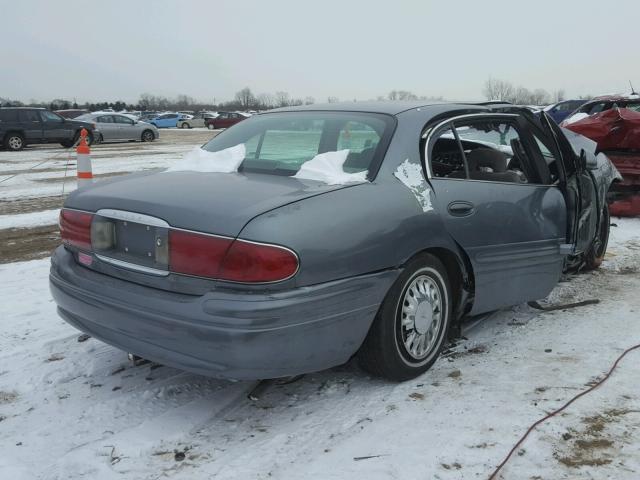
{"type": "Point", "coordinates": [614, 123]}
{"type": "Point", "coordinates": [225, 120]}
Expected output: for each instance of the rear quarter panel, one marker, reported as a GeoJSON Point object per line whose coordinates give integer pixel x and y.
{"type": "Point", "coordinates": [356, 230]}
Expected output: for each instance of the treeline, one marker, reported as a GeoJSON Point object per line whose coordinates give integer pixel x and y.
{"type": "Point", "coordinates": [504, 91]}
{"type": "Point", "coordinates": [244, 99]}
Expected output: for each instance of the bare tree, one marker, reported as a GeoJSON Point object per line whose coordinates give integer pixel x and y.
{"type": "Point", "coordinates": [540, 97]}
{"type": "Point", "coordinates": [265, 101]}
{"type": "Point", "coordinates": [333, 99]}
{"type": "Point", "coordinates": [245, 98]}
{"type": "Point", "coordinates": [282, 99]}
{"type": "Point", "coordinates": [558, 95]}
{"type": "Point", "coordinates": [500, 90]}
{"type": "Point", "coordinates": [309, 100]}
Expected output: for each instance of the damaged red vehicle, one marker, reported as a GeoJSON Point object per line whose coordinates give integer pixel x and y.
{"type": "Point", "coordinates": [616, 129]}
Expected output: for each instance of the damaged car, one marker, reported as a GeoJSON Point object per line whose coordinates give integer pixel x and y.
{"type": "Point", "coordinates": [301, 237]}
{"type": "Point", "coordinates": [613, 122]}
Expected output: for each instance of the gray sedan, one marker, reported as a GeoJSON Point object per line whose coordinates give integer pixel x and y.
{"type": "Point", "coordinates": [116, 127]}
{"type": "Point", "coordinates": [368, 229]}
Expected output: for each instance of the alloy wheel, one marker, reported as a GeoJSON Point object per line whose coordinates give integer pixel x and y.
{"type": "Point", "coordinates": [421, 317]}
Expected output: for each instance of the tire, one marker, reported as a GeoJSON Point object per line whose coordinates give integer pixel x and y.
{"type": "Point", "coordinates": [399, 347]}
{"type": "Point", "coordinates": [594, 257]}
{"type": "Point", "coordinates": [66, 144]}
{"type": "Point", "coordinates": [147, 136]}
{"type": "Point", "coordinates": [185, 125]}
{"type": "Point", "coordinates": [211, 127]}
{"type": "Point", "coordinates": [14, 141]}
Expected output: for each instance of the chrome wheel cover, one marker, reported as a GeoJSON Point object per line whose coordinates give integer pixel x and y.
{"type": "Point", "coordinates": [15, 143]}
{"type": "Point", "coordinates": [421, 317]}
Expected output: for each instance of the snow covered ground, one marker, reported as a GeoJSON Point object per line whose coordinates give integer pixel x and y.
{"type": "Point", "coordinates": [72, 409]}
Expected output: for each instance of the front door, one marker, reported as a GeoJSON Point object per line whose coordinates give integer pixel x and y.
{"type": "Point", "coordinates": [497, 207]}
{"type": "Point", "coordinates": [583, 199]}
{"type": "Point", "coordinates": [125, 126]}
{"type": "Point", "coordinates": [55, 128]}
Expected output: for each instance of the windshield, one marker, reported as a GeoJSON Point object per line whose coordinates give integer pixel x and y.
{"type": "Point", "coordinates": [279, 143]}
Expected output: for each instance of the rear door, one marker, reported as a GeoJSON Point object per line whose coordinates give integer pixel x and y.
{"type": "Point", "coordinates": [31, 124]}
{"type": "Point", "coordinates": [497, 206]}
{"type": "Point", "coordinates": [222, 121]}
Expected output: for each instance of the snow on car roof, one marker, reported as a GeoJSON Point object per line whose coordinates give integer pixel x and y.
{"type": "Point", "coordinates": [618, 96]}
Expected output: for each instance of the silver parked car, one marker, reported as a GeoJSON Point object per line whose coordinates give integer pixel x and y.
{"type": "Point", "coordinates": [368, 229]}
{"type": "Point", "coordinates": [119, 127]}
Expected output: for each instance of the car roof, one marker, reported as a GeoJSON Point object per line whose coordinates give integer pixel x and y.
{"type": "Point", "coordinates": [616, 98]}
{"type": "Point", "coordinates": [391, 107]}
{"type": "Point", "coordinates": [23, 108]}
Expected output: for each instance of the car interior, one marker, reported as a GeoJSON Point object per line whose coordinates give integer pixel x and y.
{"type": "Point", "coordinates": [493, 152]}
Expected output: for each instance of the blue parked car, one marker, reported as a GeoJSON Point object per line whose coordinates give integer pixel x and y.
{"type": "Point", "coordinates": [167, 120]}
{"type": "Point", "coordinates": [561, 110]}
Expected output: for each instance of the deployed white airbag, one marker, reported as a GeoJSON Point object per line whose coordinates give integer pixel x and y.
{"type": "Point", "coordinates": [328, 168]}
{"type": "Point", "coordinates": [200, 160]}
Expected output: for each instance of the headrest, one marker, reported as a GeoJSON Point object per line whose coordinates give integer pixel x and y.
{"type": "Point", "coordinates": [487, 157]}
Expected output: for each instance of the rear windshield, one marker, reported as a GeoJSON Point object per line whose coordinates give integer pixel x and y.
{"type": "Point", "coordinates": [279, 143]}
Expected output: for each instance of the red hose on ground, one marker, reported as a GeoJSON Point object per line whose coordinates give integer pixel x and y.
{"type": "Point", "coordinates": [532, 427]}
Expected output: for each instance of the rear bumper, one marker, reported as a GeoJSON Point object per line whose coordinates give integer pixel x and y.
{"type": "Point", "coordinates": [224, 333]}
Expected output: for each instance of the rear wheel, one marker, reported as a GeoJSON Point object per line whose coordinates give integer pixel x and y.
{"type": "Point", "coordinates": [411, 326]}
{"type": "Point", "coordinates": [14, 142]}
{"type": "Point", "coordinates": [147, 136]}
{"type": "Point", "coordinates": [595, 255]}
{"type": "Point", "coordinates": [185, 125]}
{"type": "Point", "coordinates": [210, 126]}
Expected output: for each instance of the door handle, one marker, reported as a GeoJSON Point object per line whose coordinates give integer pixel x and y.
{"type": "Point", "coordinates": [460, 208]}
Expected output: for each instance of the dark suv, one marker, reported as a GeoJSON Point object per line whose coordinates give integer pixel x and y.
{"type": "Point", "coordinates": [23, 126]}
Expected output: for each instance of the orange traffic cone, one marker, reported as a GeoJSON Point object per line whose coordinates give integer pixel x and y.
{"type": "Point", "coordinates": [83, 160]}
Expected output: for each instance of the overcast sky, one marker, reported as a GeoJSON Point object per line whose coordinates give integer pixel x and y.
{"type": "Point", "coordinates": [109, 50]}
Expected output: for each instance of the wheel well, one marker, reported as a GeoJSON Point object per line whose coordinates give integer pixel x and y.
{"type": "Point", "coordinates": [9, 132]}
{"type": "Point", "coordinates": [460, 275]}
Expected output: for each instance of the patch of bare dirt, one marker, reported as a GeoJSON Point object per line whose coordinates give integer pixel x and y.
{"type": "Point", "coordinates": [592, 445]}
{"type": "Point", "coordinates": [18, 244]}
{"type": "Point", "coordinates": [7, 397]}
{"type": "Point", "coordinates": [28, 205]}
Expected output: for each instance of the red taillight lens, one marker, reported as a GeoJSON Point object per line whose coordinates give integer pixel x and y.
{"type": "Point", "coordinates": [209, 256]}
{"type": "Point", "coordinates": [196, 254]}
{"type": "Point", "coordinates": [75, 228]}
{"type": "Point", "coordinates": [255, 262]}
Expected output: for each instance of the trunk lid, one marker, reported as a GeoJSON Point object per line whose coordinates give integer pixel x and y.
{"type": "Point", "coordinates": [217, 203]}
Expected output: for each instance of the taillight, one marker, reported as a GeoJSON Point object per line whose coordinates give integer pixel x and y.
{"type": "Point", "coordinates": [209, 256]}
{"type": "Point", "coordinates": [196, 254]}
{"type": "Point", "coordinates": [75, 228]}
{"type": "Point", "coordinates": [257, 263]}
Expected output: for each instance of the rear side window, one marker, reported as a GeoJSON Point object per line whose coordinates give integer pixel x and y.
{"type": "Point", "coordinates": [29, 116]}
{"type": "Point", "coordinates": [8, 115]}
{"type": "Point", "coordinates": [279, 143]}
{"type": "Point", "coordinates": [105, 119]}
